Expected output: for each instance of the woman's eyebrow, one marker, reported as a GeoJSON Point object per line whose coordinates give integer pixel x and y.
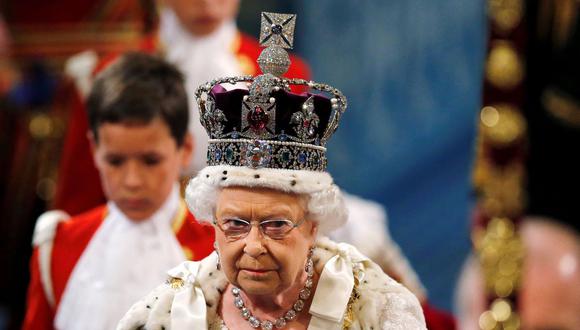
{"type": "Point", "coordinates": [232, 211]}
{"type": "Point", "coordinates": [278, 211]}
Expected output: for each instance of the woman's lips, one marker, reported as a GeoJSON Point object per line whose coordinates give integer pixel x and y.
{"type": "Point", "coordinates": [256, 272]}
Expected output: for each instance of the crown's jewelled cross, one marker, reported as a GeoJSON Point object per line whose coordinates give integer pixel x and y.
{"type": "Point", "coordinates": [277, 29]}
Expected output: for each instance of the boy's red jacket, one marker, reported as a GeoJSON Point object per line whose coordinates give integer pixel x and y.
{"type": "Point", "coordinates": [72, 237]}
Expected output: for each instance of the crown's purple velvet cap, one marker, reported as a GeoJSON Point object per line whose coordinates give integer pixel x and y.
{"type": "Point", "coordinates": [287, 103]}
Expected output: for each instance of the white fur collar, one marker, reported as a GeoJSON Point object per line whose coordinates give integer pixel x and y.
{"type": "Point", "coordinates": [383, 303]}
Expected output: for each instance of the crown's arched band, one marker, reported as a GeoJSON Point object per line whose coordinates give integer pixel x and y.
{"type": "Point", "coordinates": [266, 154]}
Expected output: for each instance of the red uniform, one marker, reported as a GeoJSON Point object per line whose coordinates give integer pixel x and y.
{"type": "Point", "coordinates": [68, 244]}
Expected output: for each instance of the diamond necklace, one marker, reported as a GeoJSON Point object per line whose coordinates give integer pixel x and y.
{"type": "Point", "coordinates": [290, 315]}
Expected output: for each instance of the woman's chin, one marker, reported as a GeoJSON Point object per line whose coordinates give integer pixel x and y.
{"type": "Point", "coordinates": [258, 284]}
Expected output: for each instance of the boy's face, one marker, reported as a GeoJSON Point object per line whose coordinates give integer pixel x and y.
{"type": "Point", "coordinates": [139, 164]}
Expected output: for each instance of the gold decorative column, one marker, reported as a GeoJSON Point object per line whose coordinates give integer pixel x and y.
{"type": "Point", "coordinates": [499, 171]}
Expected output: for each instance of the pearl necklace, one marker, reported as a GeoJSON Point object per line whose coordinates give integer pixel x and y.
{"type": "Point", "coordinates": [290, 315]}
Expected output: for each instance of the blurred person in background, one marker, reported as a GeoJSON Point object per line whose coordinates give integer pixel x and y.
{"type": "Point", "coordinates": [549, 295]}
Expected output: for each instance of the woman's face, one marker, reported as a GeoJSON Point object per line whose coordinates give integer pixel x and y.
{"type": "Point", "coordinates": [256, 263]}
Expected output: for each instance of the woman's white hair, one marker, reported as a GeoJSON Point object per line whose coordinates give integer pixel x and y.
{"type": "Point", "coordinates": [325, 202]}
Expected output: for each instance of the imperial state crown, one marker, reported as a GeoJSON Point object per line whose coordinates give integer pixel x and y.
{"type": "Point", "coordinates": [268, 125]}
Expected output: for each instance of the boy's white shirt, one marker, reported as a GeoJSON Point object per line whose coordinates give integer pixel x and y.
{"type": "Point", "coordinates": [123, 261]}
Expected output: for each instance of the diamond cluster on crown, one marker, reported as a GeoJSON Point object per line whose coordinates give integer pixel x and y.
{"type": "Point", "coordinates": [257, 143]}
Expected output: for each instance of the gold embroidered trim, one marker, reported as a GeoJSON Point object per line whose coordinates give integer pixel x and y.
{"type": "Point", "coordinates": [175, 283]}
{"type": "Point", "coordinates": [354, 297]}
{"type": "Point", "coordinates": [179, 218]}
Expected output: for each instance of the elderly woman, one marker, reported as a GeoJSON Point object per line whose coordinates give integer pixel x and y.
{"type": "Point", "coordinates": [270, 200]}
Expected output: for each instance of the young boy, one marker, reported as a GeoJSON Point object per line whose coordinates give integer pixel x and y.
{"type": "Point", "coordinates": [87, 270]}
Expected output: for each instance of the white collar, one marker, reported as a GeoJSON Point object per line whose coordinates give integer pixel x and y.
{"type": "Point", "coordinates": [163, 216]}
{"type": "Point", "coordinates": [172, 33]}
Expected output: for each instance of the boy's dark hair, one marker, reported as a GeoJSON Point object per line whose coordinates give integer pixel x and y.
{"type": "Point", "coordinates": [138, 88]}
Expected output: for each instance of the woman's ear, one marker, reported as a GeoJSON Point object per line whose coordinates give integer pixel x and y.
{"type": "Point", "coordinates": [314, 229]}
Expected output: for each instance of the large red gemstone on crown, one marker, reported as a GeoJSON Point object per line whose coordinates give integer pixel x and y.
{"type": "Point", "coordinates": [258, 118]}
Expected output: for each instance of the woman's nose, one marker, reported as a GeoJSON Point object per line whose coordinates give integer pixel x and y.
{"type": "Point", "coordinates": [254, 242]}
